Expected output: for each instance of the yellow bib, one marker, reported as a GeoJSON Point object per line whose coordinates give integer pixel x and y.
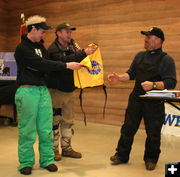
{"type": "Point", "coordinates": [92, 74]}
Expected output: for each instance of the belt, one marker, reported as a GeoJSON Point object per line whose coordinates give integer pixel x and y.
{"type": "Point", "coordinates": [28, 86]}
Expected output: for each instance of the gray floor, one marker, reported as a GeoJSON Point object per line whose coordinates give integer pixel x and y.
{"type": "Point", "coordinates": [97, 143]}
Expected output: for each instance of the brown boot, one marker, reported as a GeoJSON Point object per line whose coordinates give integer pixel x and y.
{"type": "Point", "coordinates": [150, 165]}
{"type": "Point", "coordinates": [71, 153]}
{"type": "Point", "coordinates": [116, 159]}
{"type": "Point", "coordinates": [57, 156]}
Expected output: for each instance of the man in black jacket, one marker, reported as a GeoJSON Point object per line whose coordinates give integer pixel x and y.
{"type": "Point", "coordinates": [33, 101]}
{"type": "Point", "coordinates": [151, 69]}
{"type": "Point", "coordinates": [61, 84]}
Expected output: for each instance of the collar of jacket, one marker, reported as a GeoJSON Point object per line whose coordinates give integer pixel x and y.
{"type": "Point", "coordinates": [26, 39]}
{"type": "Point", "coordinates": [153, 52]}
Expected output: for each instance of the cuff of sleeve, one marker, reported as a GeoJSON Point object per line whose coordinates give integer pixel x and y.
{"type": "Point", "coordinates": [131, 78]}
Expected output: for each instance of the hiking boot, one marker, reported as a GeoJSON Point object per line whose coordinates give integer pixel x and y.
{"type": "Point", "coordinates": [57, 156]}
{"type": "Point", "coordinates": [26, 170]}
{"type": "Point", "coordinates": [150, 165]}
{"type": "Point", "coordinates": [71, 153]}
{"type": "Point", "coordinates": [51, 168]}
{"type": "Point", "coordinates": [116, 159]}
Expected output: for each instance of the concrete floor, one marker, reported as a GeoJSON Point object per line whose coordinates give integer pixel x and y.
{"type": "Point", "coordinates": [96, 142]}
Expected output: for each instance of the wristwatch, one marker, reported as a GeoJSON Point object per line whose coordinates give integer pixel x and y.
{"type": "Point", "coordinates": [154, 85]}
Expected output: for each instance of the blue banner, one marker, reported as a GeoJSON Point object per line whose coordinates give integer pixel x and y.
{"type": "Point", "coordinates": [8, 68]}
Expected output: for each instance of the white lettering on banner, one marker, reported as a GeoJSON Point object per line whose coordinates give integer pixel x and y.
{"type": "Point", "coordinates": [170, 118]}
{"type": "Point", "coordinates": [172, 121]}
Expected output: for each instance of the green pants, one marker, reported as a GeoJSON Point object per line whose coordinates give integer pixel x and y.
{"type": "Point", "coordinates": [34, 109]}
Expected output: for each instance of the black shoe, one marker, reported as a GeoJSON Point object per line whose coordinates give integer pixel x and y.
{"type": "Point", "coordinates": [150, 165]}
{"type": "Point", "coordinates": [116, 159]}
{"type": "Point", "coordinates": [26, 170]}
{"type": "Point", "coordinates": [51, 168]}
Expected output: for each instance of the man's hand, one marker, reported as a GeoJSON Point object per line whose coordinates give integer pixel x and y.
{"type": "Point", "coordinates": [90, 50]}
{"type": "Point", "coordinates": [147, 85]}
{"type": "Point", "coordinates": [114, 77]}
{"type": "Point", "coordinates": [73, 65]}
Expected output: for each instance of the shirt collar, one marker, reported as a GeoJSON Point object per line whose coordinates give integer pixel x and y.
{"type": "Point", "coordinates": [157, 51]}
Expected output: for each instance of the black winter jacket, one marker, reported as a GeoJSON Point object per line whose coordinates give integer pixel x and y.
{"type": "Point", "coordinates": [63, 80]}
{"type": "Point", "coordinates": [31, 59]}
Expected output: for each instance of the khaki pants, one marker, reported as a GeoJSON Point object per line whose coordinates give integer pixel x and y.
{"type": "Point", "coordinates": [65, 101]}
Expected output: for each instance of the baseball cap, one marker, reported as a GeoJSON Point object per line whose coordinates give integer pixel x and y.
{"type": "Point", "coordinates": [65, 26]}
{"type": "Point", "coordinates": [37, 22]}
{"type": "Point", "coordinates": [42, 25]}
{"type": "Point", "coordinates": [156, 32]}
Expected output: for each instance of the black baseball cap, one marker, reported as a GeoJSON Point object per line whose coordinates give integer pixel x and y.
{"type": "Point", "coordinates": [156, 32]}
{"type": "Point", "coordinates": [65, 26]}
{"type": "Point", "coordinates": [42, 25]}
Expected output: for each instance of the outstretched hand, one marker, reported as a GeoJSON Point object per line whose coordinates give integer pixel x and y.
{"type": "Point", "coordinates": [73, 65]}
{"type": "Point", "coordinates": [114, 77]}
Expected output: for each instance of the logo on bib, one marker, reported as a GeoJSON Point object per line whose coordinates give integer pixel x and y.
{"type": "Point", "coordinates": [96, 68]}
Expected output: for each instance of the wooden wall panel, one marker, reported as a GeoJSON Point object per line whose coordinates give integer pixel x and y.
{"type": "Point", "coordinates": [115, 25]}
{"type": "Point", "coordinates": [3, 25]}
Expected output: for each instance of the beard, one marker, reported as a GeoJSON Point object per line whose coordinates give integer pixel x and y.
{"type": "Point", "coordinates": [148, 46]}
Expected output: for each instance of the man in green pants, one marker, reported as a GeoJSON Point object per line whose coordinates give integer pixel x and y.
{"type": "Point", "coordinates": [32, 98]}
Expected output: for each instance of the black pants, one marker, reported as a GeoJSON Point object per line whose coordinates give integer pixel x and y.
{"type": "Point", "coordinates": [154, 114]}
